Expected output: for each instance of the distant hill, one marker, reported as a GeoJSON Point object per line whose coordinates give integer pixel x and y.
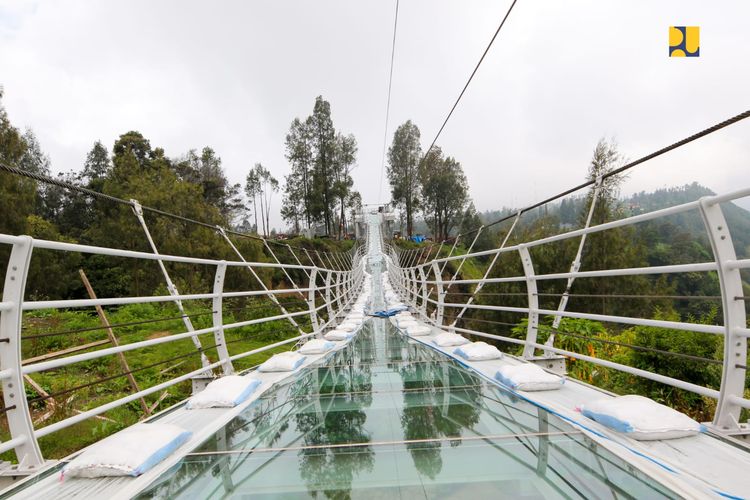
{"type": "Point", "coordinates": [738, 219]}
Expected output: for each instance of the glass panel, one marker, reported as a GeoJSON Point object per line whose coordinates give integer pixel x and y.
{"type": "Point", "coordinates": [387, 417]}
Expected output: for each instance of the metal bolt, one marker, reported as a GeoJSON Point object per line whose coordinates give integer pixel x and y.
{"type": "Point", "coordinates": [10, 385]}
{"type": "Point", "coordinates": [13, 278]}
{"type": "Point", "coordinates": [11, 395]}
{"type": "Point", "coordinates": [720, 228]}
{"type": "Point", "coordinates": [723, 237]}
{"type": "Point", "coordinates": [15, 268]}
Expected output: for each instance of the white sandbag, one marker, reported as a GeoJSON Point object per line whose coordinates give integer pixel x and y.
{"type": "Point", "coordinates": [403, 314]}
{"type": "Point", "coordinates": [338, 335]}
{"type": "Point", "coordinates": [316, 346]}
{"type": "Point", "coordinates": [356, 321]}
{"type": "Point", "coordinates": [641, 418]}
{"type": "Point", "coordinates": [356, 315]}
{"type": "Point", "coordinates": [406, 323]}
{"type": "Point", "coordinates": [478, 351]}
{"type": "Point", "coordinates": [418, 330]}
{"type": "Point", "coordinates": [130, 452]}
{"type": "Point", "coordinates": [348, 326]}
{"type": "Point", "coordinates": [447, 339]}
{"type": "Point", "coordinates": [224, 392]}
{"type": "Point", "coordinates": [528, 377]}
{"type": "Point", "coordinates": [282, 362]}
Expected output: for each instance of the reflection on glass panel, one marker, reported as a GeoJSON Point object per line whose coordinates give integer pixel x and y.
{"type": "Point", "coordinates": [387, 417]}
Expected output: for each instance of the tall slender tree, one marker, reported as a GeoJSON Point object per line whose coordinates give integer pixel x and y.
{"type": "Point", "coordinates": [319, 184]}
{"type": "Point", "coordinates": [205, 169]}
{"type": "Point", "coordinates": [298, 188]}
{"type": "Point", "coordinates": [444, 192]}
{"type": "Point", "coordinates": [324, 145]}
{"type": "Point", "coordinates": [345, 156]}
{"type": "Point", "coordinates": [403, 171]}
{"type": "Point", "coordinates": [260, 186]}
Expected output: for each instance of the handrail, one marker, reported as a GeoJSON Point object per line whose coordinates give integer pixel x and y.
{"type": "Point", "coordinates": [342, 284]}
{"type": "Point", "coordinates": [410, 277]}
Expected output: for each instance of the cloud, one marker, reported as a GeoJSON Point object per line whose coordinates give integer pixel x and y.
{"type": "Point", "coordinates": [233, 75]}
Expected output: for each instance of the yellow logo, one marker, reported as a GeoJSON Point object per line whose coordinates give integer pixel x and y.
{"type": "Point", "coordinates": [684, 41]}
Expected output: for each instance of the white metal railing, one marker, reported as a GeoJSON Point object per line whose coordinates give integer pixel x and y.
{"type": "Point", "coordinates": [328, 289]}
{"type": "Point", "coordinates": [415, 280]}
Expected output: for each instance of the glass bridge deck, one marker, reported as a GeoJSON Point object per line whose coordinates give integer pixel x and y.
{"type": "Point", "coordinates": [389, 418]}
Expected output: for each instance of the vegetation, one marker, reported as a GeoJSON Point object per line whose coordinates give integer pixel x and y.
{"type": "Point", "coordinates": [432, 183]}
{"type": "Point", "coordinates": [193, 185]}
{"type": "Point", "coordinates": [320, 183]}
{"type": "Point", "coordinates": [691, 297]}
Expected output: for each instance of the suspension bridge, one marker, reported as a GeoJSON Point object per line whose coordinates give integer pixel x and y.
{"type": "Point", "coordinates": [387, 387]}
{"type": "Point", "coordinates": [387, 409]}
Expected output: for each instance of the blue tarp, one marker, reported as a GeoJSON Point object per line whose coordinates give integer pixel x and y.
{"type": "Point", "coordinates": [389, 312]}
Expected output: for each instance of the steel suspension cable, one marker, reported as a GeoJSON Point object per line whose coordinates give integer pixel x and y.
{"type": "Point", "coordinates": [388, 103]}
{"type": "Point", "coordinates": [471, 77]}
{"type": "Point", "coordinates": [103, 196]}
{"type": "Point", "coordinates": [624, 168]}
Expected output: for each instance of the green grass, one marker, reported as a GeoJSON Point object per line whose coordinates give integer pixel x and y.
{"type": "Point", "coordinates": [151, 365]}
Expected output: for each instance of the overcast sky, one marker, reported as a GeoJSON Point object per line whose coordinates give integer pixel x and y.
{"type": "Point", "coordinates": [233, 75]}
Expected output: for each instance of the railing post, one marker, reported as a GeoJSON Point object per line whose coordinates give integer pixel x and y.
{"type": "Point", "coordinates": [441, 299]}
{"type": "Point", "coordinates": [218, 319]}
{"type": "Point", "coordinates": [283, 269]}
{"type": "Point", "coordinates": [533, 300]}
{"type": "Point", "coordinates": [329, 305]}
{"type": "Point", "coordinates": [413, 287]}
{"type": "Point", "coordinates": [311, 301]}
{"type": "Point", "coordinates": [461, 264]}
{"type": "Point", "coordinates": [337, 298]}
{"type": "Point", "coordinates": [574, 267]}
{"type": "Point", "coordinates": [170, 285]}
{"type": "Point", "coordinates": [487, 272]}
{"type": "Point", "coordinates": [423, 289]}
{"type": "Point", "coordinates": [14, 393]}
{"type": "Point", "coordinates": [271, 296]}
{"type": "Point", "coordinates": [727, 414]}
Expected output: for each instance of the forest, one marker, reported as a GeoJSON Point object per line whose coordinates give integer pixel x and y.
{"type": "Point", "coordinates": [188, 196]}
{"type": "Point", "coordinates": [677, 239]}
{"type": "Point", "coordinates": [430, 192]}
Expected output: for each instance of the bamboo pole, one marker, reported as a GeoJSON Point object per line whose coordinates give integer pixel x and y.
{"type": "Point", "coordinates": [113, 339]}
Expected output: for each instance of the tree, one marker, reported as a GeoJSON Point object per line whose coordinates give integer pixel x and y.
{"type": "Point", "coordinates": [97, 164]}
{"type": "Point", "coordinates": [298, 188]}
{"type": "Point", "coordinates": [470, 224]}
{"type": "Point", "coordinates": [444, 192]}
{"type": "Point", "coordinates": [324, 173]}
{"type": "Point", "coordinates": [206, 171]}
{"type": "Point", "coordinates": [617, 248]}
{"type": "Point", "coordinates": [354, 203]}
{"type": "Point", "coordinates": [270, 186]}
{"type": "Point", "coordinates": [252, 189]}
{"type": "Point", "coordinates": [403, 170]}
{"type": "Point", "coordinates": [17, 194]}
{"type": "Point", "coordinates": [134, 146]}
{"type": "Point", "coordinates": [36, 161]}
{"type": "Point", "coordinates": [345, 155]}
{"type": "Point", "coordinates": [260, 186]}
{"type": "Point", "coordinates": [319, 184]}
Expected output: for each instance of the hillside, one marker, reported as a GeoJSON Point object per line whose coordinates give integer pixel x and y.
{"type": "Point", "coordinates": [569, 210]}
